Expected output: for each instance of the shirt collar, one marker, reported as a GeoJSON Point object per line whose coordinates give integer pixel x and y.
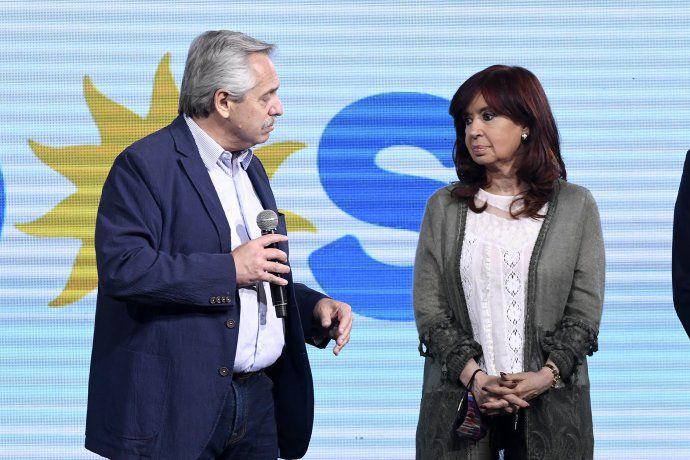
{"type": "Point", "coordinates": [210, 150]}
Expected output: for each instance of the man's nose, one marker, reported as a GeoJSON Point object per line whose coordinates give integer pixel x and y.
{"type": "Point", "coordinates": [276, 108]}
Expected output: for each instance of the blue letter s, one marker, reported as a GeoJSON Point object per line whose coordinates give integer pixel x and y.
{"type": "Point", "coordinates": [351, 178]}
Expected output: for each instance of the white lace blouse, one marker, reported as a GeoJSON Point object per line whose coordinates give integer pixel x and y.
{"type": "Point", "coordinates": [494, 264]}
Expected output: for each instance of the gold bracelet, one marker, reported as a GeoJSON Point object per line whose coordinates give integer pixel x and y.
{"type": "Point", "coordinates": [556, 374]}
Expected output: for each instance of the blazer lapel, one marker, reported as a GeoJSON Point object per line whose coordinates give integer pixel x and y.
{"type": "Point", "coordinates": [262, 187]}
{"type": "Point", "coordinates": [196, 171]}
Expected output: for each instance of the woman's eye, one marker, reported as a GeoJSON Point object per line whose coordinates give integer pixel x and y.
{"type": "Point", "coordinates": [488, 116]}
{"type": "Point", "coordinates": [467, 120]}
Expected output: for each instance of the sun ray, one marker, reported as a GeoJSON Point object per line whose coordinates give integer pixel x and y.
{"type": "Point", "coordinates": [83, 278]}
{"type": "Point", "coordinates": [80, 225]}
{"type": "Point", "coordinates": [272, 156]}
{"type": "Point", "coordinates": [87, 167]}
{"type": "Point", "coordinates": [83, 160]}
{"type": "Point", "coordinates": [114, 121]}
{"type": "Point", "coordinates": [297, 223]}
{"type": "Point", "coordinates": [164, 96]}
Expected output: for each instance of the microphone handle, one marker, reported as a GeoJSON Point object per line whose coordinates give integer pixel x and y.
{"type": "Point", "coordinates": [278, 292]}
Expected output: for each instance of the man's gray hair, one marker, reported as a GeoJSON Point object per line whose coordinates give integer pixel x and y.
{"type": "Point", "coordinates": [217, 59]}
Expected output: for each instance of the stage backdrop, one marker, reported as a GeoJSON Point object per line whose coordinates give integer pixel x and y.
{"type": "Point", "coordinates": [364, 141]}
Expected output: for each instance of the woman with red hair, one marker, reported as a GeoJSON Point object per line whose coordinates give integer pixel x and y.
{"type": "Point", "coordinates": [508, 284]}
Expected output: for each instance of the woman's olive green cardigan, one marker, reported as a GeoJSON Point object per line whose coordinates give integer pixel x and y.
{"type": "Point", "coordinates": [565, 293]}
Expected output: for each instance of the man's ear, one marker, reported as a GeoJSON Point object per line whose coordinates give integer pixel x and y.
{"type": "Point", "coordinates": [223, 104]}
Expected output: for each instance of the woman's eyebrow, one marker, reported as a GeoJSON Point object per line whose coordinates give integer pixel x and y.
{"type": "Point", "coordinates": [466, 113]}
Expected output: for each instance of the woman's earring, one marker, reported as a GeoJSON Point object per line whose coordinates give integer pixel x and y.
{"type": "Point", "coordinates": [523, 136]}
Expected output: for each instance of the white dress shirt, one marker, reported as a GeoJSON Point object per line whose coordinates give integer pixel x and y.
{"type": "Point", "coordinates": [494, 264]}
{"type": "Point", "coordinates": [261, 333]}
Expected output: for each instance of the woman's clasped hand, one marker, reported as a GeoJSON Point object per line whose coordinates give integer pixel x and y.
{"type": "Point", "coordinates": [509, 392]}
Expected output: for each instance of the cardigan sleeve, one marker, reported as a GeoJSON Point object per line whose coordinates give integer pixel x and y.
{"type": "Point", "coordinates": [681, 249]}
{"type": "Point", "coordinates": [576, 335]}
{"type": "Point", "coordinates": [440, 336]}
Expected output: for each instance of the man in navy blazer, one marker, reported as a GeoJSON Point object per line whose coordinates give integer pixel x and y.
{"type": "Point", "coordinates": [189, 359]}
{"type": "Point", "coordinates": [681, 249]}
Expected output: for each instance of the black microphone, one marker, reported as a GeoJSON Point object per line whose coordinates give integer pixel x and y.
{"type": "Point", "coordinates": [267, 220]}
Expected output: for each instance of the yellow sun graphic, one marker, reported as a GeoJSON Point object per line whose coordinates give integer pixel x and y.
{"type": "Point", "coordinates": [87, 167]}
{"type": "Point", "coordinates": [272, 156]}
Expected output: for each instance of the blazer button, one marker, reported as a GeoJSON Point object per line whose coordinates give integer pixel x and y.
{"type": "Point", "coordinates": [230, 324]}
{"type": "Point", "coordinates": [212, 300]}
{"type": "Point", "coordinates": [226, 299]}
{"type": "Point", "coordinates": [223, 371]}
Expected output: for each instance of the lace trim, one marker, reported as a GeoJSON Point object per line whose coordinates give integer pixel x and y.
{"type": "Point", "coordinates": [514, 288]}
{"type": "Point", "coordinates": [442, 340]}
{"type": "Point", "coordinates": [439, 337]}
{"type": "Point", "coordinates": [574, 336]}
{"type": "Point", "coordinates": [480, 318]}
{"type": "Point", "coordinates": [466, 266]}
{"type": "Point", "coordinates": [486, 322]}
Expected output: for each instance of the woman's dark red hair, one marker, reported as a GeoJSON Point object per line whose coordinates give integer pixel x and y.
{"type": "Point", "coordinates": [516, 93]}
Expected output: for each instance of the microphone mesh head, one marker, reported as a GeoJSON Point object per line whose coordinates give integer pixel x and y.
{"type": "Point", "coordinates": [267, 220]}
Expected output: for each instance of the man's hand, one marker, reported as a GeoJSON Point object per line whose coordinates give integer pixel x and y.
{"type": "Point", "coordinates": [255, 262]}
{"type": "Point", "coordinates": [336, 317]}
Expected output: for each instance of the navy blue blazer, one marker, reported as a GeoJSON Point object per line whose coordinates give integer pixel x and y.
{"type": "Point", "coordinates": [167, 312]}
{"type": "Point", "coordinates": [681, 249]}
